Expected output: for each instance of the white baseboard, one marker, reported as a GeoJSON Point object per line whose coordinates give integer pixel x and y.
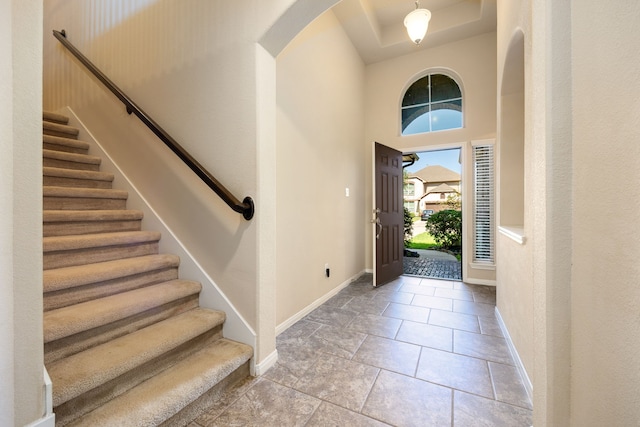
{"type": "Point", "coordinates": [483, 282]}
{"type": "Point", "coordinates": [516, 357]}
{"type": "Point", "coordinates": [262, 367]}
{"type": "Point", "coordinates": [317, 303]}
{"type": "Point", "coordinates": [49, 418]}
{"type": "Point", "coordinates": [47, 421]}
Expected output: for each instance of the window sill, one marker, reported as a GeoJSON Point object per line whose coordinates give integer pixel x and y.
{"type": "Point", "coordinates": [515, 233]}
{"type": "Point", "coordinates": [482, 265]}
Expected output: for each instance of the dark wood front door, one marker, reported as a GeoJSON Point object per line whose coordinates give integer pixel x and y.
{"type": "Point", "coordinates": [388, 214]}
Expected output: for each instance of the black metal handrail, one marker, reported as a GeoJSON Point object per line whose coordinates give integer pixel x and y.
{"type": "Point", "coordinates": [246, 207]}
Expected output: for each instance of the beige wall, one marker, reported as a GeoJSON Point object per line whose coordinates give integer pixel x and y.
{"type": "Point", "coordinates": [573, 284]}
{"type": "Point", "coordinates": [7, 390]}
{"type": "Point", "coordinates": [472, 62]}
{"type": "Point", "coordinates": [320, 153]}
{"type": "Point", "coordinates": [605, 294]}
{"type": "Point", "coordinates": [21, 357]}
{"type": "Point", "coordinates": [515, 150]}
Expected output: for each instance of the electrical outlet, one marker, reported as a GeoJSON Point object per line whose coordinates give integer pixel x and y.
{"type": "Point", "coordinates": [327, 270]}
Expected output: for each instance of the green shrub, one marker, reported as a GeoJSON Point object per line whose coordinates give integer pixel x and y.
{"type": "Point", "coordinates": [446, 228]}
{"type": "Point", "coordinates": [408, 227]}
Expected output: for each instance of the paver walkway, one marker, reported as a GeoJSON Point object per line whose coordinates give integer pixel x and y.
{"type": "Point", "coordinates": [433, 264]}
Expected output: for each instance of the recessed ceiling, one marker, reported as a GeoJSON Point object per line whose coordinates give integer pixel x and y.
{"type": "Point", "coordinates": [377, 30]}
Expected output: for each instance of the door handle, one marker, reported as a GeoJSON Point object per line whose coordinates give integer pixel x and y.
{"type": "Point", "coordinates": [376, 220]}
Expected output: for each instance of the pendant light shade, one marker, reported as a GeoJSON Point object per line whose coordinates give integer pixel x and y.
{"type": "Point", "coordinates": [417, 23]}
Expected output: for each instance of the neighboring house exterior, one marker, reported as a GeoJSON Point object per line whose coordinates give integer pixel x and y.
{"type": "Point", "coordinates": [559, 82]}
{"type": "Point", "coordinates": [429, 188]}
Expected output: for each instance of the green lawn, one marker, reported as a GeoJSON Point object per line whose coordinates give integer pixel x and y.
{"type": "Point", "coordinates": [422, 241]}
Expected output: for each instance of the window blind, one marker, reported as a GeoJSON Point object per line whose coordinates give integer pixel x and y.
{"type": "Point", "coordinates": [483, 208]}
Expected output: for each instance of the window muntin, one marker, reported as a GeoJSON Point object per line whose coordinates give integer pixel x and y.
{"type": "Point", "coordinates": [409, 189]}
{"type": "Point", "coordinates": [432, 103]}
{"type": "Point", "coordinates": [411, 206]}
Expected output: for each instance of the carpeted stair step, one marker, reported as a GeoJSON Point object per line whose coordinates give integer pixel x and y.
{"type": "Point", "coordinates": [175, 396]}
{"type": "Point", "coordinates": [58, 177]}
{"type": "Point", "coordinates": [88, 379]}
{"type": "Point", "coordinates": [69, 222]}
{"type": "Point", "coordinates": [58, 129]}
{"type": "Point", "coordinates": [60, 198]}
{"type": "Point", "coordinates": [71, 285]}
{"type": "Point", "coordinates": [75, 328]}
{"type": "Point", "coordinates": [61, 159]}
{"type": "Point", "coordinates": [67, 251]}
{"type": "Point", "coordinates": [49, 116]}
{"type": "Point", "coordinates": [125, 341]}
{"type": "Point", "coordinates": [58, 143]}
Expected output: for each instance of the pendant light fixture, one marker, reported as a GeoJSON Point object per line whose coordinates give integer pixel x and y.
{"type": "Point", "coordinates": [417, 23]}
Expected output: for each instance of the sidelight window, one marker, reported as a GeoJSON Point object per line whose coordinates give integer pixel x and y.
{"type": "Point", "coordinates": [483, 215]}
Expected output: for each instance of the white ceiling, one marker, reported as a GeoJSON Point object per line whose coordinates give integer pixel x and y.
{"type": "Point", "coordinates": [377, 30]}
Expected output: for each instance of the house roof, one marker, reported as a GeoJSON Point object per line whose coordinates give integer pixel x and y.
{"type": "Point", "coordinates": [436, 173]}
{"type": "Point", "coordinates": [443, 188]}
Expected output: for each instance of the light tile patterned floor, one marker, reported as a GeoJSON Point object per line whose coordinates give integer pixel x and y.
{"type": "Point", "coordinates": [414, 352]}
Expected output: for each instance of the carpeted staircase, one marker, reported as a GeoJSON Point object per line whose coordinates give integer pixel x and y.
{"type": "Point", "coordinates": [126, 343]}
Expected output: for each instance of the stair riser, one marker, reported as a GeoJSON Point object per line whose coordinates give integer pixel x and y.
{"type": "Point", "coordinates": [70, 135]}
{"type": "Point", "coordinates": [65, 164]}
{"type": "Point", "coordinates": [56, 350]}
{"type": "Point", "coordinates": [63, 148]}
{"type": "Point", "coordinates": [67, 297]}
{"type": "Point", "coordinates": [55, 181]}
{"type": "Point", "coordinates": [81, 203]}
{"type": "Point", "coordinates": [68, 258]}
{"type": "Point", "coordinates": [208, 399]}
{"type": "Point", "coordinates": [89, 227]}
{"type": "Point", "coordinates": [48, 116]}
{"type": "Point", "coordinates": [75, 408]}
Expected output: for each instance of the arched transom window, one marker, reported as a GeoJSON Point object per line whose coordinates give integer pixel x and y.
{"type": "Point", "coordinates": [432, 103]}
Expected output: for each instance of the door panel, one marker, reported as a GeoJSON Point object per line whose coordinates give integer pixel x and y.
{"type": "Point", "coordinates": [389, 246]}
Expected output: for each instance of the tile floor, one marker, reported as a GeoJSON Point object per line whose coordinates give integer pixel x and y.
{"type": "Point", "coordinates": [414, 352]}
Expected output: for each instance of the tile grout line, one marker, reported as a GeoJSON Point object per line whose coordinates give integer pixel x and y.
{"type": "Point", "coordinates": [402, 323]}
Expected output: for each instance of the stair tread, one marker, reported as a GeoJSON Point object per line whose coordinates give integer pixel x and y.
{"type": "Point", "coordinates": [92, 215]}
{"type": "Point", "coordinates": [71, 157]}
{"type": "Point", "coordinates": [129, 331]}
{"type": "Point", "coordinates": [92, 193]}
{"type": "Point", "coordinates": [73, 319]}
{"type": "Point", "coordinates": [77, 174]}
{"type": "Point", "coordinates": [69, 277]}
{"type": "Point", "coordinates": [86, 370]}
{"type": "Point", "coordinates": [83, 241]}
{"type": "Point", "coordinates": [50, 116]}
{"type": "Point", "coordinates": [164, 395]}
{"type": "Point", "coordinates": [69, 142]}
{"type": "Point", "coordinates": [59, 127]}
